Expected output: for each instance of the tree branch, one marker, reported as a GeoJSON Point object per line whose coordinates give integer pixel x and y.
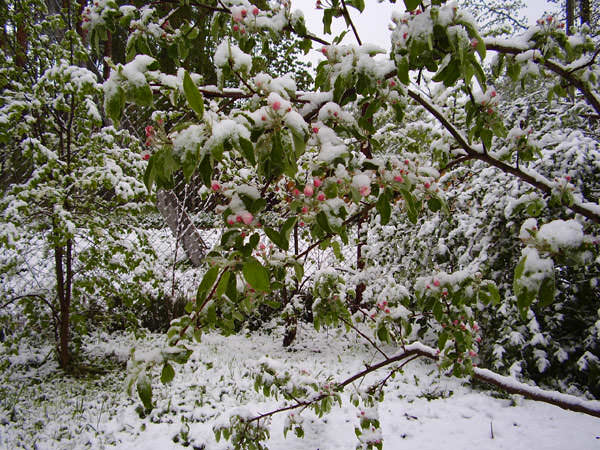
{"type": "Point", "coordinates": [555, 67]}
{"type": "Point", "coordinates": [349, 21]}
{"type": "Point", "coordinates": [364, 336]}
{"type": "Point", "coordinates": [508, 384]}
{"type": "Point", "coordinates": [534, 181]}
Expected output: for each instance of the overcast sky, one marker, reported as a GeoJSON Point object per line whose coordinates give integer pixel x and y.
{"type": "Point", "coordinates": [373, 23]}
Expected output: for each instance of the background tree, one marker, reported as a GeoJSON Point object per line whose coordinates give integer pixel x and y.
{"type": "Point", "coordinates": [68, 182]}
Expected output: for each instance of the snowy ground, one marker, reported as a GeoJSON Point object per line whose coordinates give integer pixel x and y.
{"type": "Point", "coordinates": [40, 408]}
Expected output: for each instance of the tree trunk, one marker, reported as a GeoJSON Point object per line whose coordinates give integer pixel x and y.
{"type": "Point", "coordinates": [22, 44]}
{"type": "Point", "coordinates": [108, 53]}
{"type": "Point", "coordinates": [584, 6]}
{"type": "Point", "coordinates": [63, 289]}
{"type": "Point", "coordinates": [181, 225]}
{"type": "Point", "coordinates": [570, 13]}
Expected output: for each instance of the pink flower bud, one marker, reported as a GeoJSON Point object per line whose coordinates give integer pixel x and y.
{"type": "Point", "coordinates": [215, 186]}
{"type": "Point", "coordinates": [309, 190]}
{"type": "Point", "coordinates": [244, 13]}
{"type": "Point", "coordinates": [230, 220]}
{"type": "Point", "coordinates": [296, 192]}
{"type": "Point", "coordinates": [149, 131]}
{"type": "Point", "coordinates": [276, 105]}
{"type": "Point", "coordinates": [255, 11]}
{"type": "Point", "coordinates": [392, 83]}
{"type": "Point", "coordinates": [247, 217]}
{"type": "Point", "coordinates": [493, 94]}
{"type": "Point", "coordinates": [146, 156]}
{"type": "Point", "coordinates": [427, 185]}
{"type": "Point", "coordinates": [399, 179]}
{"type": "Point", "coordinates": [236, 27]}
{"type": "Point", "coordinates": [317, 182]}
{"type": "Point", "coordinates": [304, 210]}
{"type": "Point", "coordinates": [436, 283]}
{"type": "Point", "coordinates": [321, 197]}
{"type": "Point", "coordinates": [364, 190]}
{"type": "Point", "coordinates": [315, 130]}
{"type": "Point", "coordinates": [474, 43]}
{"type": "Point", "coordinates": [324, 50]}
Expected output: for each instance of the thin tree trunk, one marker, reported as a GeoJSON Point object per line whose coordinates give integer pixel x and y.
{"type": "Point", "coordinates": [22, 44]}
{"type": "Point", "coordinates": [173, 211]}
{"type": "Point", "coordinates": [64, 299]}
{"type": "Point", "coordinates": [570, 10]}
{"type": "Point", "coordinates": [108, 53]}
{"type": "Point", "coordinates": [584, 6]}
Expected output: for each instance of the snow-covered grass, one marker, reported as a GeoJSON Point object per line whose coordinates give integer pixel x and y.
{"type": "Point", "coordinates": [43, 409]}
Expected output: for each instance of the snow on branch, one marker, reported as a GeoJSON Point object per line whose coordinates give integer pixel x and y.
{"type": "Point", "coordinates": [564, 401]}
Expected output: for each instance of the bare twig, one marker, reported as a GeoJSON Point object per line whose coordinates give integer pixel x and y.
{"type": "Point", "coordinates": [349, 20]}
{"type": "Point", "coordinates": [364, 336]}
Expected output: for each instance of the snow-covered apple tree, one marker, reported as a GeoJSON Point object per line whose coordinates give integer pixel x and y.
{"type": "Point", "coordinates": [441, 158]}
{"type": "Point", "coordinates": [71, 186]}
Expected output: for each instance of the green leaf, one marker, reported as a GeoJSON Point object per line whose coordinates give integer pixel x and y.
{"type": "Point", "coordinates": [402, 68]}
{"type": "Point", "coordinates": [144, 390]}
{"type": "Point", "coordinates": [141, 95]}
{"type": "Point", "coordinates": [206, 170]}
{"type": "Point", "coordinates": [149, 174]}
{"type": "Point", "coordinates": [323, 222]}
{"type": "Point", "coordinates": [247, 150]}
{"type": "Point", "coordinates": [437, 311]}
{"type": "Point", "coordinates": [193, 95]}
{"type": "Point", "coordinates": [413, 207]}
{"type": "Point", "coordinates": [223, 283]}
{"type": "Point", "coordinates": [327, 18]}
{"type": "Point", "coordinates": [434, 204]}
{"type": "Point", "coordinates": [412, 4]}
{"type": "Point", "coordinates": [299, 145]}
{"type": "Point", "coordinates": [287, 227]}
{"type": "Point", "coordinates": [167, 374]}
{"type": "Point", "coordinates": [443, 337]}
{"type": "Point", "coordinates": [207, 283]}
{"type": "Point", "coordinates": [115, 104]}
{"type": "Point", "coordinates": [489, 293]}
{"type": "Point", "coordinates": [384, 208]}
{"type": "Point", "coordinates": [277, 239]}
{"type": "Point", "coordinates": [486, 138]}
{"type": "Point", "coordinates": [519, 269]}
{"type": "Point", "coordinates": [547, 291]}
{"type": "Point", "coordinates": [358, 4]}
{"type": "Point", "coordinates": [299, 271]}
{"type": "Point", "coordinates": [256, 275]}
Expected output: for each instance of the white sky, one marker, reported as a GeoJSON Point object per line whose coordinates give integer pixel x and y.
{"type": "Point", "coordinates": [372, 24]}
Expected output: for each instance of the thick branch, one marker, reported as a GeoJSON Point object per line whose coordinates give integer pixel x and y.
{"type": "Point", "coordinates": [554, 67]}
{"type": "Point", "coordinates": [564, 401]}
{"type": "Point", "coordinates": [475, 154]}
{"type": "Point", "coordinates": [415, 350]}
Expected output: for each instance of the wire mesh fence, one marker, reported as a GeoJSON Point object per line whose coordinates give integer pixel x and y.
{"type": "Point", "coordinates": [180, 229]}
